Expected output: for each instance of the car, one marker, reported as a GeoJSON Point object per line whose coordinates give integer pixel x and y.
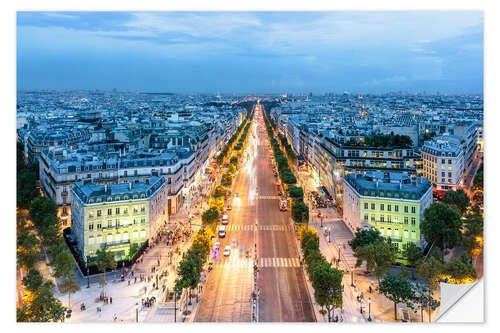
{"type": "Point", "coordinates": [228, 207]}
{"type": "Point", "coordinates": [222, 231]}
{"type": "Point", "coordinates": [217, 245]}
{"type": "Point", "coordinates": [225, 219]}
{"type": "Point", "coordinates": [227, 251]}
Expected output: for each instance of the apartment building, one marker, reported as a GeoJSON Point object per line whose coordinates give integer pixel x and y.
{"type": "Point", "coordinates": [118, 217]}
{"type": "Point", "coordinates": [393, 203]}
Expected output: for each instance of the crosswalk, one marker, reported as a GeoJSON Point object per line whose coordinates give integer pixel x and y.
{"type": "Point", "coordinates": [269, 197]}
{"type": "Point", "coordinates": [279, 262]}
{"type": "Point", "coordinates": [251, 227]}
{"type": "Point", "coordinates": [242, 262]}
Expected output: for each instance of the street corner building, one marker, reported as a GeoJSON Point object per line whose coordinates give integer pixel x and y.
{"type": "Point", "coordinates": [393, 203]}
{"type": "Point", "coordinates": [117, 217]}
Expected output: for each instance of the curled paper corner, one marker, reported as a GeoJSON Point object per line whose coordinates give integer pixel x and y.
{"type": "Point", "coordinates": [462, 303]}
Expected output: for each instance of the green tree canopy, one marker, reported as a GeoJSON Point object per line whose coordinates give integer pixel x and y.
{"type": "Point", "coordinates": [300, 212]}
{"type": "Point", "coordinates": [33, 281]}
{"type": "Point", "coordinates": [69, 285]}
{"type": "Point", "coordinates": [327, 284]}
{"type": "Point", "coordinates": [28, 247]}
{"type": "Point", "coordinates": [397, 289]}
{"type": "Point", "coordinates": [42, 207]}
{"type": "Point", "coordinates": [441, 226]}
{"type": "Point", "coordinates": [457, 200]}
{"type": "Point", "coordinates": [63, 264]}
{"type": "Point", "coordinates": [210, 216]}
{"type": "Point", "coordinates": [234, 160]}
{"type": "Point", "coordinates": [105, 260]}
{"type": "Point", "coordinates": [364, 237]}
{"type": "Point", "coordinates": [379, 257]}
{"type": "Point", "coordinates": [412, 253]}
{"type": "Point", "coordinates": [479, 178]}
{"type": "Point", "coordinates": [430, 270]}
{"type": "Point", "coordinates": [43, 308]}
{"type": "Point", "coordinates": [288, 178]}
{"type": "Point", "coordinates": [296, 193]}
{"type": "Point", "coordinates": [227, 179]}
{"type": "Point", "coordinates": [460, 268]}
{"type": "Point", "coordinates": [473, 231]}
{"type": "Point", "coordinates": [220, 191]}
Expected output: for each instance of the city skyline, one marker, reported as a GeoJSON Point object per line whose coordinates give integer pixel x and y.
{"type": "Point", "coordinates": [369, 52]}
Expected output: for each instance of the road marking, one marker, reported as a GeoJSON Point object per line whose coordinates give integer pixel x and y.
{"type": "Point", "coordinates": [279, 262]}
{"type": "Point", "coordinates": [268, 197]}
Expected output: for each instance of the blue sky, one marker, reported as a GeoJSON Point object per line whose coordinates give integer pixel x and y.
{"type": "Point", "coordinates": [252, 52]}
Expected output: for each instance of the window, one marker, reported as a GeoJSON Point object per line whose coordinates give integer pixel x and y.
{"type": "Point", "coordinates": [366, 205]}
{"type": "Point", "coordinates": [449, 174]}
{"type": "Point", "coordinates": [389, 218]}
{"type": "Point", "coordinates": [413, 210]}
{"type": "Point", "coordinates": [135, 209]}
{"type": "Point", "coordinates": [381, 231]}
{"type": "Point", "coordinates": [443, 167]}
{"type": "Point", "coordinates": [135, 234]}
{"type": "Point", "coordinates": [450, 168]}
{"type": "Point", "coordinates": [117, 223]}
{"type": "Point", "coordinates": [381, 218]}
{"type": "Point", "coordinates": [389, 208]}
{"type": "Point", "coordinates": [396, 208]}
{"type": "Point", "coordinates": [143, 209]}
{"type": "Point", "coordinates": [99, 226]}
{"type": "Point", "coordinates": [406, 233]}
{"type": "Point", "coordinates": [125, 210]}
{"type": "Point", "coordinates": [110, 211]}
{"type": "Point", "coordinates": [413, 221]}
{"type": "Point", "coordinates": [443, 174]}
{"type": "Point", "coordinates": [143, 221]}
{"type": "Point", "coordinates": [381, 206]}
{"type": "Point", "coordinates": [406, 219]}
{"type": "Point", "coordinates": [91, 240]}
{"type": "Point", "coordinates": [118, 237]}
{"type": "Point", "coordinates": [135, 221]}
{"type": "Point", "coordinates": [143, 233]}
{"type": "Point", "coordinates": [413, 235]}
{"type": "Point", "coordinates": [117, 210]}
{"type": "Point", "coordinates": [110, 223]}
{"type": "Point", "coordinates": [373, 217]}
{"type": "Point", "coordinates": [91, 226]}
{"type": "Point", "coordinates": [125, 236]}
{"type": "Point", "coordinates": [396, 233]}
{"type": "Point", "coordinates": [99, 239]}
{"type": "Point", "coordinates": [125, 174]}
{"type": "Point", "coordinates": [406, 209]}
{"type": "Point", "coordinates": [389, 232]}
{"type": "Point", "coordinates": [449, 161]}
{"type": "Point", "coordinates": [373, 206]}
{"type": "Point", "coordinates": [99, 212]}
{"type": "Point", "coordinates": [91, 214]}
{"type": "Point", "coordinates": [443, 161]}
{"type": "Point", "coordinates": [366, 217]}
{"type": "Point", "coordinates": [109, 238]}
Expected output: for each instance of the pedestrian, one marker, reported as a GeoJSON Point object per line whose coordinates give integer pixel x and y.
{"type": "Point", "coordinates": [110, 300]}
{"type": "Point", "coordinates": [129, 281]}
{"type": "Point", "coordinates": [135, 280]}
{"type": "Point", "coordinates": [370, 289]}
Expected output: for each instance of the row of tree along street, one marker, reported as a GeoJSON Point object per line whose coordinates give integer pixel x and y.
{"type": "Point", "coordinates": [230, 145]}
{"type": "Point", "coordinates": [300, 211]}
{"type": "Point", "coordinates": [446, 225]}
{"type": "Point", "coordinates": [326, 280]}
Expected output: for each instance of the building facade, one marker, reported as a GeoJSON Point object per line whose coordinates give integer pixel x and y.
{"type": "Point", "coordinates": [118, 217]}
{"type": "Point", "coordinates": [392, 203]}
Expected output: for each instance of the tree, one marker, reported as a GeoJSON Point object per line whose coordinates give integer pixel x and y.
{"type": "Point", "coordinates": [28, 247]}
{"type": "Point", "coordinates": [105, 260]}
{"type": "Point", "coordinates": [457, 200]}
{"type": "Point", "coordinates": [227, 179]}
{"type": "Point", "coordinates": [63, 264]}
{"type": "Point", "coordinates": [300, 212]}
{"type": "Point", "coordinates": [43, 308]}
{"type": "Point", "coordinates": [398, 290]}
{"type": "Point", "coordinates": [234, 159]}
{"type": "Point", "coordinates": [220, 191]}
{"type": "Point", "coordinates": [441, 226]}
{"type": "Point", "coordinates": [364, 237]}
{"type": "Point", "coordinates": [379, 257]}
{"type": "Point", "coordinates": [430, 270]}
{"type": "Point", "coordinates": [296, 193]}
{"type": "Point", "coordinates": [412, 253]}
{"type": "Point", "coordinates": [33, 281]}
{"type": "Point", "coordinates": [327, 284]}
{"type": "Point", "coordinates": [231, 169]}
{"type": "Point", "coordinates": [26, 188]}
{"type": "Point", "coordinates": [210, 216]}
{"type": "Point", "coordinates": [473, 231]}
{"type": "Point", "coordinates": [40, 208]}
{"type": "Point", "coordinates": [460, 269]}
{"type": "Point", "coordinates": [203, 240]}
{"type": "Point", "coordinates": [479, 178]}
{"type": "Point", "coordinates": [288, 178]}
{"type": "Point", "coordinates": [69, 285]}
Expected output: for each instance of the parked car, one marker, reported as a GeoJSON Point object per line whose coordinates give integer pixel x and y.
{"type": "Point", "coordinates": [222, 231]}
{"type": "Point", "coordinates": [227, 251]}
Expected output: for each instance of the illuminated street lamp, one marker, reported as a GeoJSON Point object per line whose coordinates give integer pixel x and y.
{"type": "Point", "coordinates": [352, 277]}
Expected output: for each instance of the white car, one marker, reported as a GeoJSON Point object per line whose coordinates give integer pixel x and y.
{"type": "Point", "coordinates": [217, 245]}
{"type": "Point", "coordinates": [227, 250]}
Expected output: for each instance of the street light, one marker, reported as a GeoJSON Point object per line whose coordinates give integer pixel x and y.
{"type": "Point", "coordinates": [136, 312]}
{"type": "Point", "coordinates": [352, 277]}
{"type": "Point", "coordinates": [88, 278]}
{"type": "Point", "coordinates": [369, 308]}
